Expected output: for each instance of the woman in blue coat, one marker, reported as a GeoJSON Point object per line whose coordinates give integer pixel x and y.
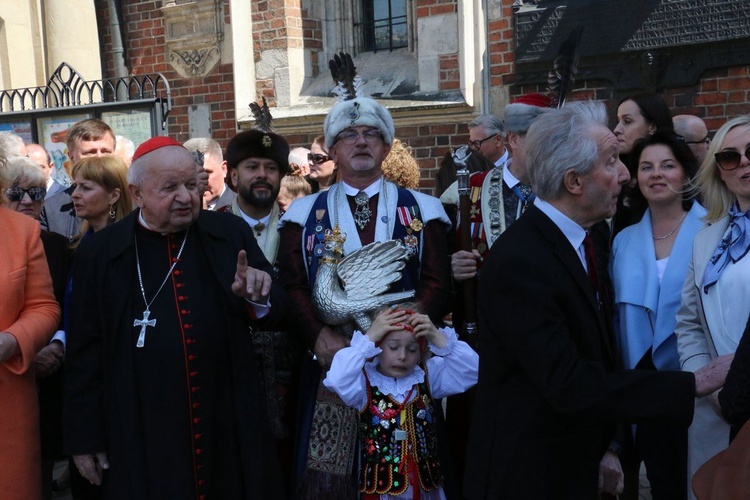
{"type": "Point", "coordinates": [649, 263]}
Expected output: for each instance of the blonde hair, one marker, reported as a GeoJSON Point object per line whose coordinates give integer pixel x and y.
{"type": "Point", "coordinates": [716, 196]}
{"type": "Point", "coordinates": [294, 183]}
{"type": "Point", "coordinates": [400, 167]}
{"type": "Point", "coordinates": [110, 172]}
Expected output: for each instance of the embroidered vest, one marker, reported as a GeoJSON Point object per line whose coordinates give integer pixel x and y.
{"type": "Point", "coordinates": [319, 220]}
{"type": "Point", "coordinates": [388, 455]}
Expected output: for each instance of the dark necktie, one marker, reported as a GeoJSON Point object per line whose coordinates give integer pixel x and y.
{"type": "Point", "coordinates": [588, 248]}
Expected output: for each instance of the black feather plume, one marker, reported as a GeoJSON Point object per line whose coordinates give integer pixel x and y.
{"type": "Point", "coordinates": [562, 76]}
{"type": "Point", "coordinates": [344, 74]}
{"type": "Point", "coordinates": [262, 116]}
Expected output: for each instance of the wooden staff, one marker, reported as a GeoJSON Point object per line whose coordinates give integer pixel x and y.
{"type": "Point", "coordinates": [464, 238]}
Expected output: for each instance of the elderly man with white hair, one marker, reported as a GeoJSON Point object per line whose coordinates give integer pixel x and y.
{"type": "Point", "coordinates": [550, 396]}
{"type": "Point", "coordinates": [162, 396]}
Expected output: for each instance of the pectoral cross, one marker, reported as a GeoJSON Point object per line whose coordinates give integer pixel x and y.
{"type": "Point", "coordinates": [143, 323]}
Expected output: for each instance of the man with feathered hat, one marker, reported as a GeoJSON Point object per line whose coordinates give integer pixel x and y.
{"type": "Point", "coordinates": [366, 208]}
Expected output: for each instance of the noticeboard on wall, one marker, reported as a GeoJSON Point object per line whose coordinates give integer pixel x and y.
{"type": "Point", "coordinates": [135, 124]}
{"type": "Point", "coordinates": [21, 128]}
{"type": "Point", "coordinates": [52, 132]}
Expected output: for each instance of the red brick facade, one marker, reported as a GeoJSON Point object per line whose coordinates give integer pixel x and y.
{"type": "Point", "coordinates": [278, 24]}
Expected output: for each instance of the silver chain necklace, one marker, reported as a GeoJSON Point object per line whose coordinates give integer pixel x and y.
{"type": "Point", "coordinates": [659, 238]}
{"type": "Point", "coordinates": [145, 321]}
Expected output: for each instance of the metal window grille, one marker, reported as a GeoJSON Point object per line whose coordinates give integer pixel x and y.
{"type": "Point", "coordinates": [384, 25]}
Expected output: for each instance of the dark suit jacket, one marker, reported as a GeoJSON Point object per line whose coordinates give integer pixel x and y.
{"type": "Point", "coordinates": [58, 252]}
{"type": "Point", "coordinates": [548, 397]}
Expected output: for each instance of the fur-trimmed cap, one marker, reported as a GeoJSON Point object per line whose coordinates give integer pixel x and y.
{"type": "Point", "coordinates": [257, 144]}
{"type": "Point", "coordinates": [358, 112]}
{"type": "Point", "coordinates": [521, 113]}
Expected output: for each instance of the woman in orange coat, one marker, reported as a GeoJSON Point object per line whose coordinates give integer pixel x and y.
{"type": "Point", "coordinates": [29, 316]}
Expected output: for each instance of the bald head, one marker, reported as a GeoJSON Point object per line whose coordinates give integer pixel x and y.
{"type": "Point", "coordinates": [40, 156]}
{"type": "Point", "coordinates": [694, 130]}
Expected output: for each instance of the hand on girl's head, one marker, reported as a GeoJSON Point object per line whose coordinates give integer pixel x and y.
{"type": "Point", "coordinates": [423, 327]}
{"type": "Point", "coordinates": [389, 320]}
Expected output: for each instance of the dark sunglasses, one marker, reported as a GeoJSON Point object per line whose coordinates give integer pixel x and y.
{"type": "Point", "coordinates": [478, 144]}
{"type": "Point", "coordinates": [317, 159]}
{"type": "Point", "coordinates": [730, 160]}
{"type": "Point", "coordinates": [16, 193]}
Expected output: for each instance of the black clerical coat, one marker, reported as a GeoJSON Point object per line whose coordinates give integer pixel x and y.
{"type": "Point", "coordinates": [102, 407]}
{"type": "Point", "coordinates": [548, 397]}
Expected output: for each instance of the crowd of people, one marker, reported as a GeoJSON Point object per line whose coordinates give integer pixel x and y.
{"type": "Point", "coordinates": [166, 325]}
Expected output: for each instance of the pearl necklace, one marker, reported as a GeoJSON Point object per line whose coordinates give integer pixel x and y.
{"type": "Point", "coordinates": [659, 238]}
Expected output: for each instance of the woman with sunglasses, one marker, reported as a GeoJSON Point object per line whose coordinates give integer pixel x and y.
{"type": "Point", "coordinates": [322, 168]}
{"type": "Point", "coordinates": [648, 266]}
{"type": "Point", "coordinates": [29, 316]}
{"type": "Point", "coordinates": [26, 196]}
{"type": "Point", "coordinates": [716, 294]}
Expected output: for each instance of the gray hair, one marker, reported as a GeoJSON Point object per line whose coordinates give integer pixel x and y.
{"type": "Point", "coordinates": [128, 145]}
{"type": "Point", "coordinates": [561, 140]}
{"type": "Point", "coordinates": [205, 146]}
{"type": "Point", "coordinates": [137, 172]}
{"type": "Point", "coordinates": [298, 156]}
{"type": "Point", "coordinates": [10, 144]}
{"type": "Point", "coordinates": [491, 124]}
{"type": "Point", "coordinates": [20, 169]}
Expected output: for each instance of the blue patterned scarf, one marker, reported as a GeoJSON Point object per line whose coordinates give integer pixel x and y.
{"type": "Point", "coordinates": [734, 245]}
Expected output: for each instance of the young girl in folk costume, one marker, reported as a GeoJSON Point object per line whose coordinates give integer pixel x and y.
{"type": "Point", "coordinates": [394, 394]}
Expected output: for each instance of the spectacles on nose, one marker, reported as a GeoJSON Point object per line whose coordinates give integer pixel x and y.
{"type": "Point", "coordinates": [705, 140]}
{"type": "Point", "coordinates": [16, 193]}
{"type": "Point", "coordinates": [370, 136]}
{"type": "Point", "coordinates": [730, 160]}
{"type": "Point", "coordinates": [317, 159]}
{"type": "Point", "coordinates": [478, 144]}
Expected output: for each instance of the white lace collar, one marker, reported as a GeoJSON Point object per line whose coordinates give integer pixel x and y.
{"type": "Point", "coordinates": [397, 388]}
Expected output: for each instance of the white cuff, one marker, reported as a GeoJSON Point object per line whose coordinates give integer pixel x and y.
{"type": "Point", "coordinates": [260, 310]}
{"type": "Point", "coordinates": [362, 344]}
{"type": "Point", "coordinates": [451, 338]}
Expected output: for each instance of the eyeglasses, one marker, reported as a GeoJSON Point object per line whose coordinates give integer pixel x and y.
{"type": "Point", "coordinates": [478, 144]}
{"type": "Point", "coordinates": [370, 136]}
{"type": "Point", "coordinates": [705, 140]}
{"type": "Point", "coordinates": [16, 193]}
{"type": "Point", "coordinates": [730, 160]}
{"type": "Point", "coordinates": [317, 159]}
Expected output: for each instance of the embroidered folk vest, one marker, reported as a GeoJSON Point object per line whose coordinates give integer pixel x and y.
{"type": "Point", "coordinates": [319, 220]}
{"type": "Point", "coordinates": [395, 439]}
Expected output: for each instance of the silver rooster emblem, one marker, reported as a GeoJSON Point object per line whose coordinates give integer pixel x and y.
{"type": "Point", "coordinates": [350, 288]}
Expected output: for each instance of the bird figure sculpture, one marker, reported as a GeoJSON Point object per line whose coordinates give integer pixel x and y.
{"type": "Point", "coordinates": [351, 288]}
